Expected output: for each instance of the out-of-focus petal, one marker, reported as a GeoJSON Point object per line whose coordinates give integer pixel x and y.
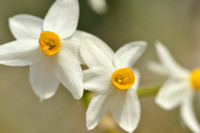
{"type": "Point", "coordinates": [188, 114]}
{"type": "Point", "coordinates": [128, 54]}
{"type": "Point", "coordinates": [125, 108]}
{"type": "Point", "coordinates": [99, 6]}
{"type": "Point", "coordinates": [42, 80]}
{"type": "Point", "coordinates": [62, 17]}
{"type": "Point", "coordinates": [68, 71]}
{"type": "Point", "coordinates": [157, 68]}
{"type": "Point", "coordinates": [26, 26]}
{"type": "Point", "coordinates": [20, 53]}
{"type": "Point", "coordinates": [97, 80]}
{"type": "Point", "coordinates": [172, 93]}
{"type": "Point", "coordinates": [95, 53]}
{"type": "Point", "coordinates": [98, 106]}
{"type": "Point", "coordinates": [170, 64]}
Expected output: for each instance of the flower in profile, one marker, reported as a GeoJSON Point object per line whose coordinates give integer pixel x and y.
{"type": "Point", "coordinates": [50, 47]}
{"type": "Point", "coordinates": [113, 80]}
{"type": "Point", "coordinates": [99, 6]}
{"type": "Point", "coordinates": [179, 89]}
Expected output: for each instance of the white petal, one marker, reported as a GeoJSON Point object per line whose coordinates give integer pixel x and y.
{"type": "Point", "coordinates": [42, 80]}
{"type": "Point", "coordinates": [128, 54]}
{"type": "Point", "coordinates": [188, 114]}
{"type": "Point", "coordinates": [68, 71]}
{"type": "Point", "coordinates": [99, 6]}
{"type": "Point", "coordinates": [97, 80]}
{"type": "Point", "coordinates": [172, 93]}
{"type": "Point", "coordinates": [73, 44]}
{"type": "Point", "coordinates": [98, 106]}
{"type": "Point", "coordinates": [25, 26]}
{"type": "Point", "coordinates": [170, 64]}
{"type": "Point", "coordinates": [20, 53]}
{"type": "Point", "coordinates": [157, 68]}
{"type": "Point", "coordinates": [96, 53]}
{"type": "Point", "coordinates": [62, 17]}
{"type": "Point", "coordinates": [137, 79]}
{"type": "Point", "coordinates": [125, 108]}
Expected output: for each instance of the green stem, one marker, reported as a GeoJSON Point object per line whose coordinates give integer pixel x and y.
{"type": "Point", "coordinates": [147, 91]}
{"type": "Point", "coordinates": [87, 96]}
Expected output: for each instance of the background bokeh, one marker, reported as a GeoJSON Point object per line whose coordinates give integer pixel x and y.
{"type": "Point", "coordinates": [176, 23]}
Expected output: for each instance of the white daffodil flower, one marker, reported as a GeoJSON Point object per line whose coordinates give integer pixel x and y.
{"type": "Point", "coordinates": [113, 80]}
{"type": "Point", "coordinates": [179, 89]}
{"type": "Point", "coordinates": [50, 47]}
{"type": "Point", "coordinates": [98, 6]}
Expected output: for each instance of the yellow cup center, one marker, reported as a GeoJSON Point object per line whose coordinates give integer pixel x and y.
{"type": "Point", "coordinates": [195, 78]}
{"type": "Point", "coordinates": [123, 78]}
{"type": "Point", "coordinates": [49, 42]}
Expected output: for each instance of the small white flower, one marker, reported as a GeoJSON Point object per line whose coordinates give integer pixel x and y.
{"type": "Point", "coordinates": [50, 47]}
{"type": "Point", "coordinates": [179, 89]}
{"type": "Point", "coordinates": [111, 77]}
{"type": "Point", "coordinates": [99, 6]}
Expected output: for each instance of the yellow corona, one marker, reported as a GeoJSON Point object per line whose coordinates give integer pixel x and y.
{"type": "Point", "coordinates": [195, 78]}
{"type": "Point", "coordinates": [123, 78]}
{"type": "Point", "coordinates": [49, 42]}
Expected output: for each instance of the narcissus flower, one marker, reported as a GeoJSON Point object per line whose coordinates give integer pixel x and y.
{"type": "Point", "coordinates": [50, 47]}
{"type": "Point", "coordinates": [179, 89]}
{"type": "Point", "coordinates": [99, 6]}
{"type": "Point", "coordinates": [113, 80]}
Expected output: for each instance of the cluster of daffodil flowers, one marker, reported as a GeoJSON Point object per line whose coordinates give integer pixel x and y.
{"type": "Point", "coordinates": [55, 50]}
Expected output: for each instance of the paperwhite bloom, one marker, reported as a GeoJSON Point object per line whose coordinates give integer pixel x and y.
{"type": "Point", "coordinates": [179, 89]}
{"type": "Point", "coordinates": [50, 47]}
{"type": "Point", "coordinates": [111, 77]}
{"type": "Point", "coordinates": [99, 6]}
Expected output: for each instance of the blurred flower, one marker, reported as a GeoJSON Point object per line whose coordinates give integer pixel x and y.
{"type": "Point", "coordinates": [111, 77]}
{"type": "Point", "coordinates": [50, 47]}
{"type": "Point", "coordinates": [99, 6]}
{"type": "Point", "coordinates": [179, 89]}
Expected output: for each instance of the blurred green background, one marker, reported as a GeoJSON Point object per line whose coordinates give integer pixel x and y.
{"type": "Point", "coordinates": [176, 23]}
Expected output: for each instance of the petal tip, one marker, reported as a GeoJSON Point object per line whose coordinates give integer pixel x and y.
{"type": "Point", "coordinates": [89, 127]}
{"type": "Point", "coordinates": [89, 124]}
{"type": "Point", "coordinates": [46, 96]}
{"type": "Point", "coordinates": [142, 43]}
{"type": "Point", "coordinates": [79, 95]}
{"type": "Point", "coordinates": [157, 42]}
{"type": "Point", "coordinates": [162, 104]}
{"type": "Point", "coordinates": [158, 45]}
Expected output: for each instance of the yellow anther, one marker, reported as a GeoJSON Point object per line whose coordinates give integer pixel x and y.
{"type": "Point", "coordinates": [119, 81]}
{"type": "Point", "coordinates": [123, 78]}
{"type": "Point", "coordinates": [195, 79]}
{"type": "Point", "coordinates": [49, 42]}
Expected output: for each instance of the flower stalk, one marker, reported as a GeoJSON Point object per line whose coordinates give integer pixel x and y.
{"type": "Point", "coordinates": [147, 91]}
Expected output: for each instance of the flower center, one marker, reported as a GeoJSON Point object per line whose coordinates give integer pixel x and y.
{"type": "Point", "coordinates": [123, 78]}
{"type": "Point", "coordinates": [49, 42]}
{"type": "Point", "coordinates": [195, 78]}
